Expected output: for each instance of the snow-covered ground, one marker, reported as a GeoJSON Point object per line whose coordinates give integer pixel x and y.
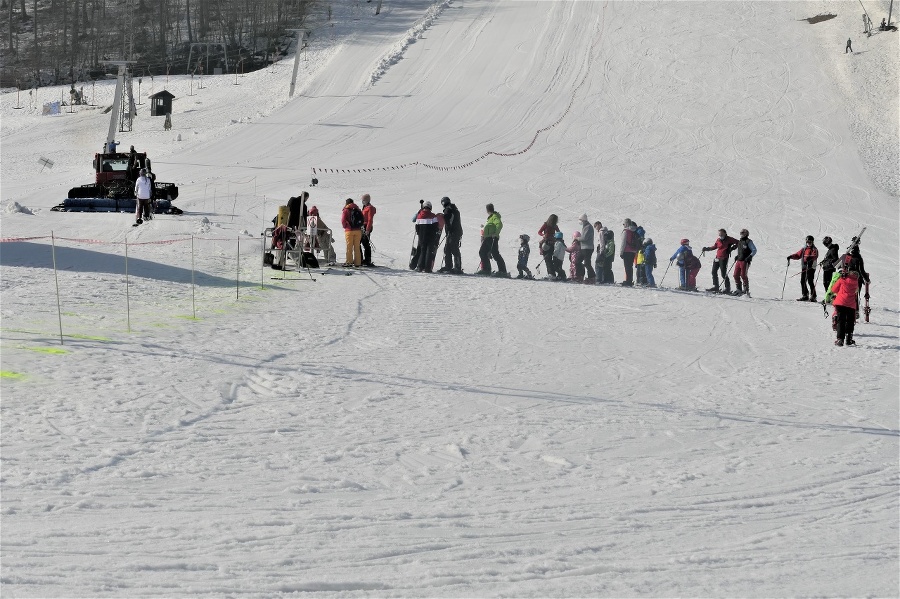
{"type": "Point", "coordinates": [392, 433]}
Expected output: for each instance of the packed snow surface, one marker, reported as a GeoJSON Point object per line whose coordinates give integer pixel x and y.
{"type": "Point", "coordinates": [198, 428]}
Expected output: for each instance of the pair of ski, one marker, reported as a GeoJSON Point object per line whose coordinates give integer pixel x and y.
{"type": "Point", "coordinates": [854, 244]}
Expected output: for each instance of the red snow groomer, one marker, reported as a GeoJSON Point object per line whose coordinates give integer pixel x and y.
{"type": "Point", "coordinates": [113, 186]}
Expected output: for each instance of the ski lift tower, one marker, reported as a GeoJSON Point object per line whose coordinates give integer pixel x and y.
{"type": "Point", "coordinates": [302, 35]}
{"type": "Point", "coordinates": [120, 114]}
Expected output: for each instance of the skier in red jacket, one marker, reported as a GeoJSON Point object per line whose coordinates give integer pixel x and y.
{"type": "Point", "coordinates": [808, 257]}
{"type": "Point", "coordinates": [368, 211]}
{"type": "Point", "coordinates": [723, 246]}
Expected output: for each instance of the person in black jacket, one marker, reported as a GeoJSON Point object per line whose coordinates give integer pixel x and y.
{"type": "Point", "coordinates": [827, 264]}
{"type": "Point", "coordinates": [746, 249]}
{"type": "Point", "coordinates": [298, 211]}
{"type": "Point", "coordinates": [453, 227]}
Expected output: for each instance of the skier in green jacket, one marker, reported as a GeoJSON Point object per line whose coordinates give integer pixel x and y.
{"type": "Point", "coordinates": [490, 241]}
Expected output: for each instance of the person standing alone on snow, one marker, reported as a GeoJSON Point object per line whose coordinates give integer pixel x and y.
{"type": "Point", "coordinates": [490, 244]}
{"type": "Point", "coordinates": [723, 246]}
{"type": "Point", "coordinates": [808, 256]}
{"type": "Point", "coordinates": [745, 252]}
{"type": "Point", "coordinates": [143, 191]}
{"type": "Point", "coordinates": [352, 220]}
{"type": "Point", "coordinates": [849, 47]}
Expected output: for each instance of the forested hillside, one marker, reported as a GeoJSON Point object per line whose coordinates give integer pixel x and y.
{"type": "Point", "coordinates": [62, 41]}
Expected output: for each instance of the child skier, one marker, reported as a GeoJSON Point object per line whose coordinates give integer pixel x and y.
{"type": "Point", "coordinates": [688, 265]}
{"type": "Point", "coordinates": [640, 273]}
{"type": "Point", "coordinates": [599, 258]}
{"type": "Point", "coordinates": [648, 251]}
{"type": "Point", "coordinates": [524, 253]}
{"type": "Point", "coordinates": [574, 251]}
{"type": "Point", "coordinates": [843, 297]}
{"type": "Point", "coordinates": [559, 252]}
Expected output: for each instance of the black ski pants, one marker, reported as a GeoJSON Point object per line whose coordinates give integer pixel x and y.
{"type": "Point", "coordinates": [366, 249]}
{"type": "Point", "coordinates": [584, 264]}
{"type": "Point", "coordinates": [826, 277]}
{"type": "Point", "coordinates": [559, 272]}
{"type": "Point", "coordinates": [808, 280]}
{"type": "Point", "coordinates": [720, 266]}
{"type": "Point", "coordinates": [425, 253]}
{"type": "Point", "coordinates": [490, 249]}
{"type": "Point", "coordinates": [846, 320]}
{"type": "Point", "coordinates": [452, 256]}
{"type": "Point", "coordinates": [628, 259]}
{"type": "Point", "coordinates": [604, 270]}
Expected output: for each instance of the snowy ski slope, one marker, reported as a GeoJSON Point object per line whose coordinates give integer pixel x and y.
{"type": "Point", "coordinates": [399, 434]}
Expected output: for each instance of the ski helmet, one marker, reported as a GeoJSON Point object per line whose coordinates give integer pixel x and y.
{"type": "Point", "coordinates": [576, 235]}
{"type": "Point", "coordinates": [810, 239]}
{"type": "Point", "coordinates": [558, 235]}
{"type": "Point", "coordinates": [525, 238]}
{"type": "Point", "coordinates": [745, 233]}
{"type": "Point", "coordinates": [314, 211]}
{"type": "Point", "coordinates": [685, 242]}
{"type": "Point", "coordinates": [826, 240]}
{"type": "Point", "coordinates": [648, 241]}
{"type": "Point", "coordinates": [427, 205]}
{"type": "Point", "coordinates": [445, 201]}
{"type": "Point", "coordinates": [143, 171]}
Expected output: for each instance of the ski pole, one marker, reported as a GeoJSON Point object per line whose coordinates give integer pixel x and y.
{"type": "Point", "coordinates": [816, 281]}
{"type": "Point", "coordinates": [444, 257]}
{"type": "Point", "coordinates": [785, 278]}
{"type": "Point", "coordinates": [665, 273]}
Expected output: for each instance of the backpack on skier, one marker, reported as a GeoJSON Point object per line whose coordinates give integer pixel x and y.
{"type": "Point", "coordinates": [357, 220]}
{"type": "Point", "coordinates": [691, 262]}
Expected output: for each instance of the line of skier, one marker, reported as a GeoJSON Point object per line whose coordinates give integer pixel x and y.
{"type": "Point", "coordinates": [638, 255]}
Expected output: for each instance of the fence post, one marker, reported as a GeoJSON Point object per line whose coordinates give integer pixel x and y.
{"type": "Point", "coordinates": [56, 277]}
{"type": "Point", "coordinates": [237, 275]}
{"type": "Point", "coordinates": [193, 295]}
